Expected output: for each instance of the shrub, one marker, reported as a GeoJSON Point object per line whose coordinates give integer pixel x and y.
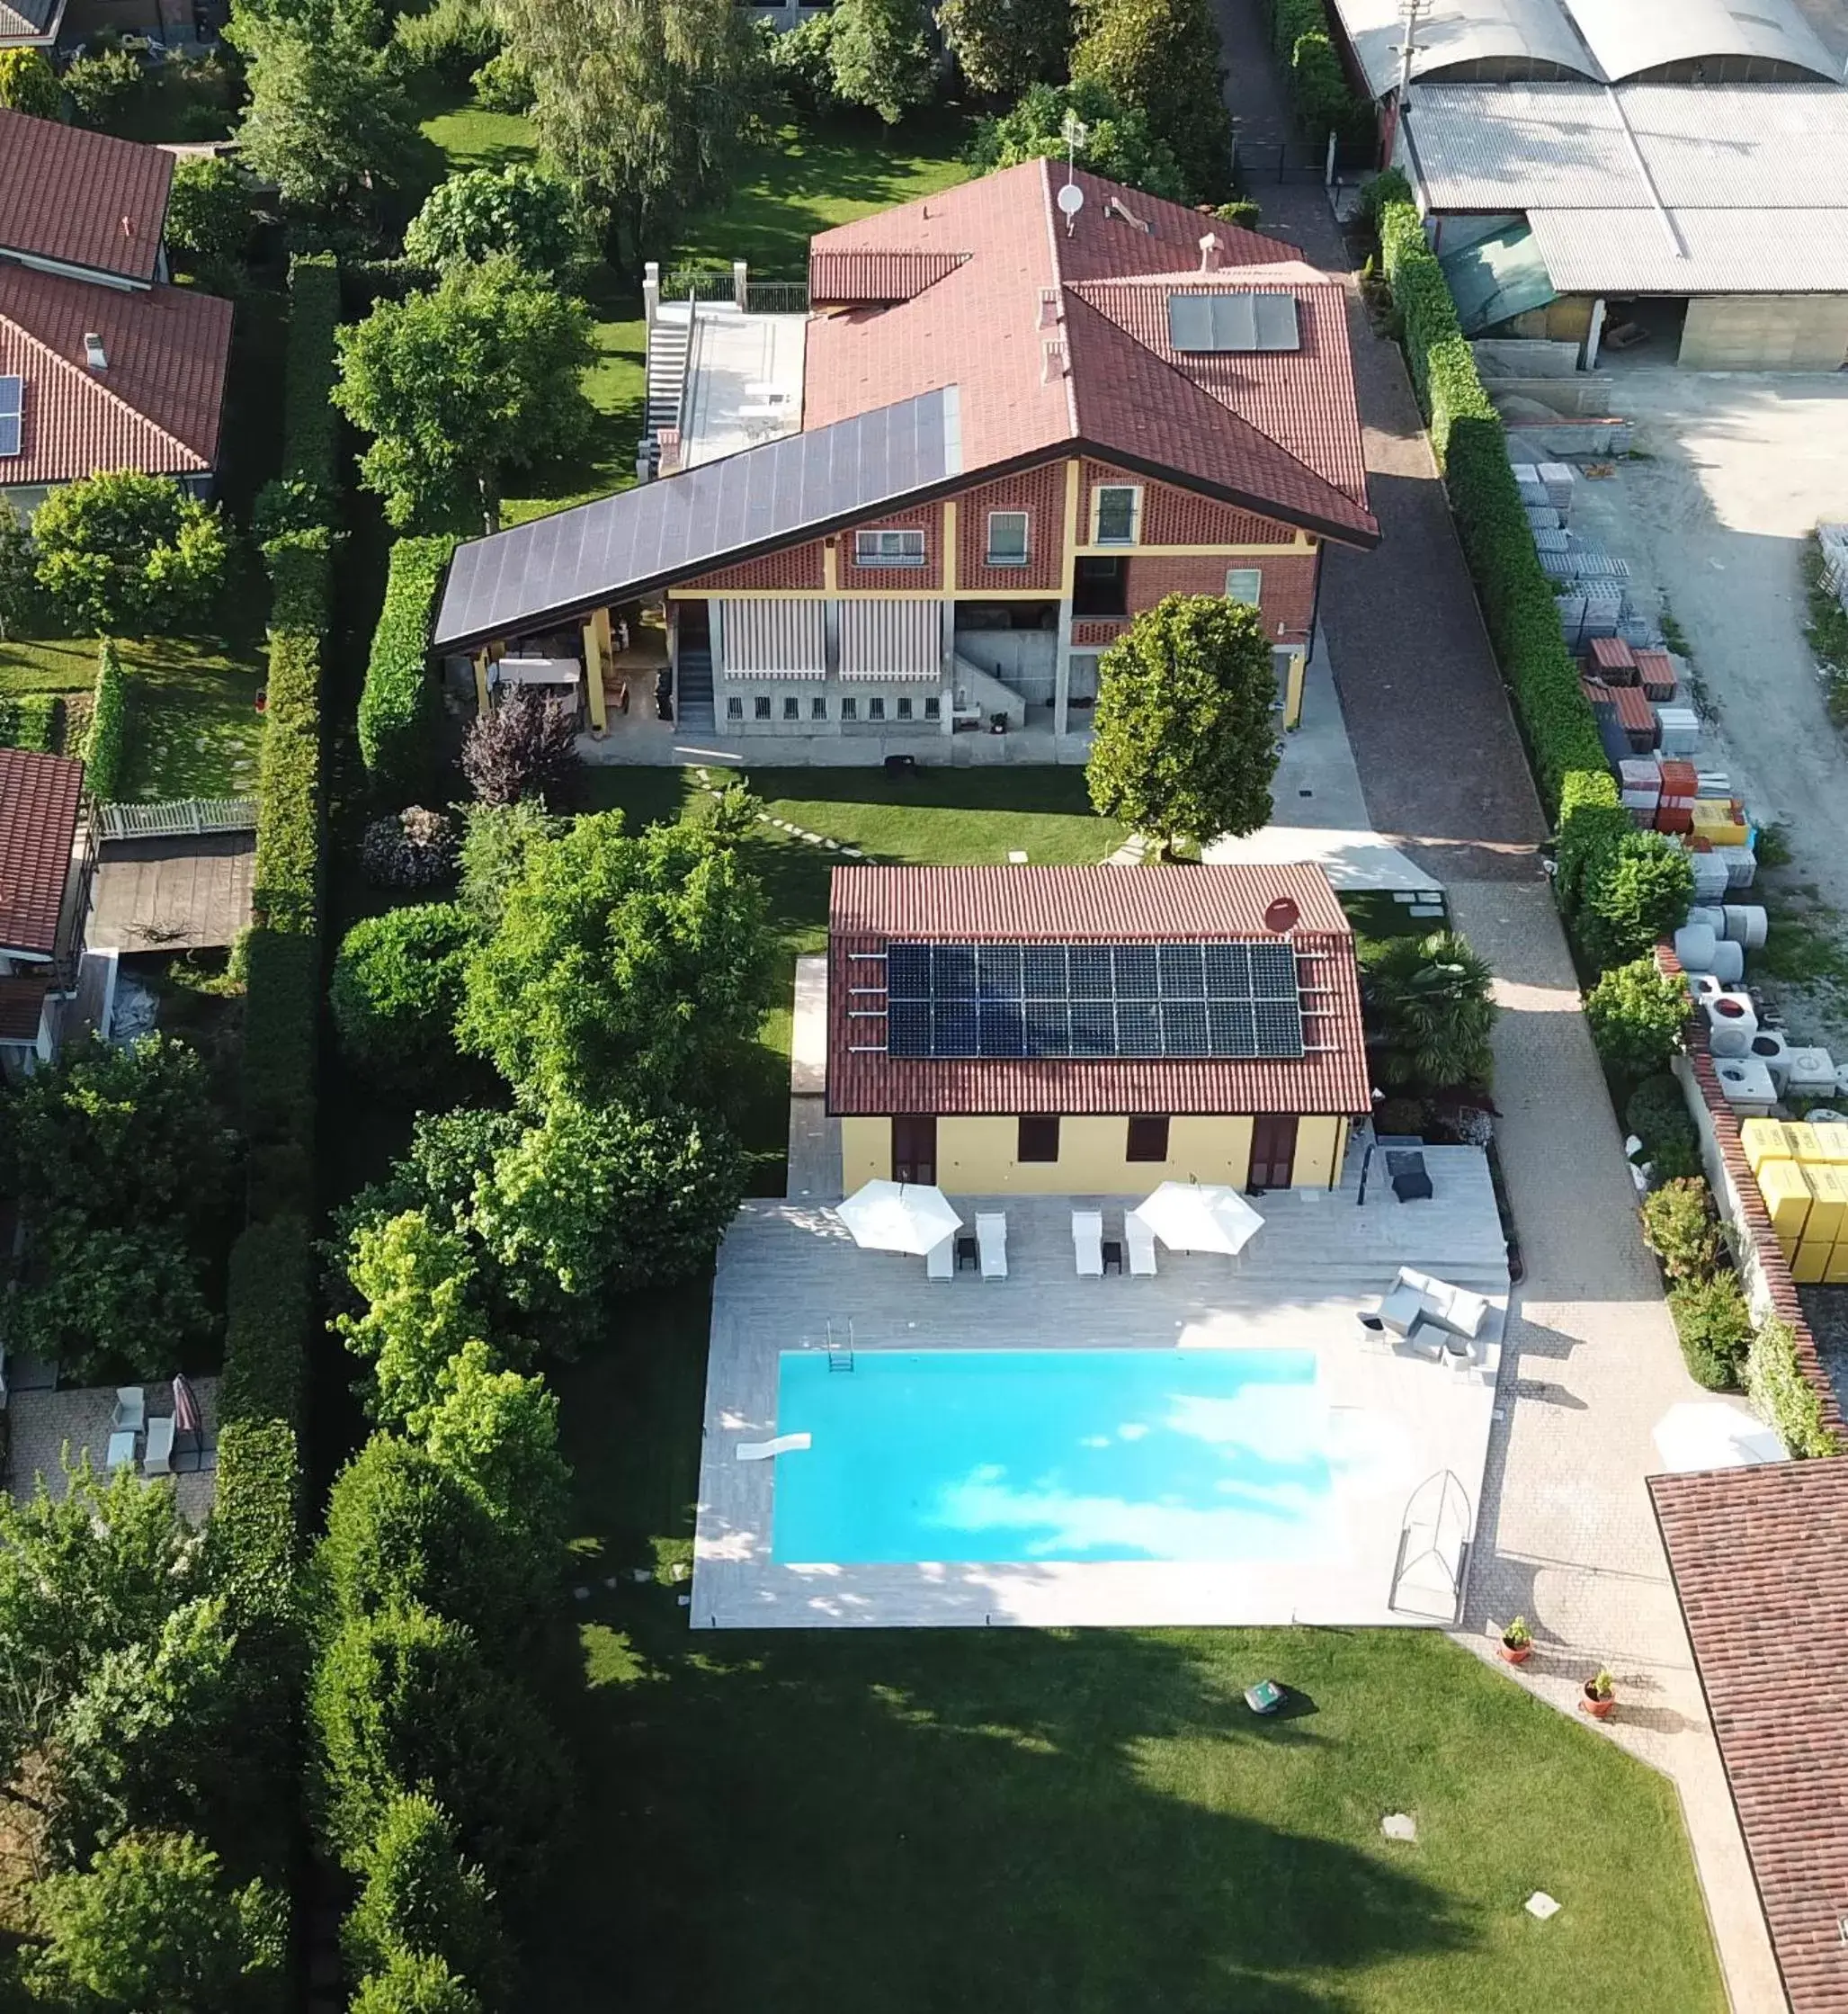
{"type": "Point", "coordinates": [397, 988]}
{"type": "Point", "coordinates": [1429, 1011]}
{"type": "Point", "coordinates": [270, 1321]}
{"type": "Point", "coordinates": [499, 842]}
{"type": "Point", "coordinates": [398, 703]}
{"type": "Point", "coordinates": [101, 86]}
{"type": "Point", "coordinates": [281, 1006]}
{"type": "Point", "coordinates": [505, 84]}
{"type": "Point", "coordinates": [207, 210]}
{"type": "Point", "coordinates": [1680, 1227]}
{"type": "Point", "coordinates": [421, 1896]}
{"type": "Point", "coordinates": [1319, 93]}
{"type": "Point", "coordinates": [1783, 1396]}
{"type": "Point", "coordinates": [27, 83]}
{"type": "Point", "coordinates": [524, 748]}
{"type": "Point", "coordinates": [1657, 1113]}
{"type": "Point", "coordinates": [448, 40]}
{"type": "Point", "coordinates": [1714, 1327]}
{"type": "Point", "coordinates": [1636, 1015]}
{"type": "Point", "coordinates": [106, 749]}
{"type": "Point", "coordinates": [1635, 894]}
{"type": "Point", "coordinates": [287, 892]}
{"type": "Point", "coordinates": [413, 849]}
{"type": "Point", "coordinates": [29, 721]}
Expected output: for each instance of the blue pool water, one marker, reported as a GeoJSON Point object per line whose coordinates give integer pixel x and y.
{"type": "Point", "coordinates": [994, 1455]}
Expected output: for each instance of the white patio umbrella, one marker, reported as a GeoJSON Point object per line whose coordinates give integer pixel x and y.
{"type": "Point", "coordinates": [898, 1217]}
{"type": "Point", "coordinates": [1711, 1434]}
{"type": "Point", "coordinates": [1199, 1217]}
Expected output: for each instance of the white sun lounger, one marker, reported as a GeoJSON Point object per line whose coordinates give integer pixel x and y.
{"type": "Point", "coordinates": [130, 1409]}
{"type": "Point", "coordinates": [1140, 1240]}
{"type": "Point", "coordinates": [764, 1451]}
{"type": "Point", "coordinates": [157, 1454]}
{"type": "Point", "coordinates": [991, 1241]}
{"type": "Point", "coordinates": [940, 1262]}
{"type": "Point", "coordinates": [1087, 1243]}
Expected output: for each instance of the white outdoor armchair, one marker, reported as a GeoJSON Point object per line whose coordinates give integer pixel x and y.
{"type": "Point", "coordinates": [130, 1409]}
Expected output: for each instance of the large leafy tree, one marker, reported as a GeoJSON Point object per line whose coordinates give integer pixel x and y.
{"type": "Point", "coordinates": [1003, 47]}
{"type": "Point", "coordinates": [1117, 141]}
{"type": "Point", "coordinates": [1163, 58]}
{"type": "Point", "coordinates": [154, 1923]}
{"type": "Point", "coordinates": [516, 211]}
{"type": "Point", "coordinates": [498, 1432]}
{"type": "Point", "coordinates": [415, 1983]}
{"type": "Point", "coordinates": [639, 962]}
{"type": "Point", "coordinates": [1183, 744]}
{"type": "Point", "coordinates": [1429, 1012]}
{"type": "Point", "coordinates": [417, 1282]}
{"type": "Point", "coordinates": [326, 122]}
{"type": "Point", "coordinates": [29, 84]}
{"type": "Point", "coordinates": [883, 55]}
{"type": "Point", "coordinates": [644, 104]}
{"type": "Point", "coordinates": [422, 1898]}
{"type": "Point", "coordinates": [396, 989]}
{"type": "Point", "coordinates": [124, 553]}
{"type": "Point", "coordinates": [208, 218]}
{"type": "Point", "coordinates": [458, 385]}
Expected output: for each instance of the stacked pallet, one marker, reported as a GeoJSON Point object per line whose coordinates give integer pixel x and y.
{"type": "Point", "coordinates": [1675, 811]}
{"type": "Point", "coordinates": [1655, 674]}
{"type": "Point", "coordinates": [1639, 781]}
{"type": "Point", "coordinates": [1802, 1174]}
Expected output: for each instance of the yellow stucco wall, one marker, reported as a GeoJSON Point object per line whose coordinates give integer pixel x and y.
{"type": "Point", "coordinates": [976, 1156]}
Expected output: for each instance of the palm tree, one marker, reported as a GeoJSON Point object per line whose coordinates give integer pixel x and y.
{"type": "Point", "coordinates": [1428, 1013]}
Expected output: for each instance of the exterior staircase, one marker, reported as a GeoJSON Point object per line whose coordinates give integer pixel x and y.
{"type": "Point", "coordinates": [669, 342]}
{"type": "Point", "coordinates": [693, 702]}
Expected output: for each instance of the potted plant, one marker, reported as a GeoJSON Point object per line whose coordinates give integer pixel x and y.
{"type": "Point", "coordinates": [1600, 1695]}
{"type": "Point", "coordinates": [1517, 1642]}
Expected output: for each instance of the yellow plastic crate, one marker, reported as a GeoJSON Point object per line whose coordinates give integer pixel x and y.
{"type": "Point", "coordinates": [1837, 1272]}
{"type": "Point", "coordinates": [1810, 1265]}
{"type": "Point", "coordinates": [1787, 1199]}
{"type": "Point", "coordinates": [1763, 1140]}
{"type": "Point", "coordinates": [1828, 1222]}
{"type": "Point", "coordinates": [1800, 1142]}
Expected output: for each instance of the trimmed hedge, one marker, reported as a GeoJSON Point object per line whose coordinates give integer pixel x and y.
{"type": "Point", "coordinates": [398, 708]}
{"type": "Point", "coordinates": [106, 749]}
{"type": "Point", "coordinates": [271, 1302]}
{"type": "Point", "coordinates": [30, 720]}
{"type": "Point", "coordinates": [287, 893]}
{"type": "Point", "coordinates": [1778, 1391]}
{"type": "Point", "coordinates": [1319, 92]}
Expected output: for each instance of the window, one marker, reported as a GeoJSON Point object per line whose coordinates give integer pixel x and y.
{"type": "Point", "coordinates": [734, 708]}
{"type": "Point", "coordinates": [1101, 587]}
{"type": "Point", "coordinates": [817, 708]}
{"type": "Point", "coordinates": [759, 706]}
{"type": "Point", "coordinates": [1119, 515]}
{"type": "Point", "coordinates": [792, 707]}
{"type": "Point", "coordinates": [1007, 538]}
{"type": "Point", "coordinates": [850, 707]}
{"type": "Point", "coordinates": [934, 708]}
{"type": "Point", "coordinates": [905, 706]}
{"type": "Point", "coordinates": [1244, 584]}
{"type": "Point", "coordinates": [876, 707]}
{"type": "Point", "coordinates": [1148, 1139]}
{"type": "Point", "coordinates": [1039, 1138]}
{"type": "Point", "coordinates": [889, 548]}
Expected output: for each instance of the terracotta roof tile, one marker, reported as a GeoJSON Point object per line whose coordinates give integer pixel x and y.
{"type": "Point", "coordinates": [85, 199]}
{"type": "Point", "coordinates": [40, 797]}
{"type": "Point", "coordinates": [839, 279]}
{"type": "Point", "coordinates": [870, 907]}
{"type": "Point", "coordinates": [1760, 1559]}
{"type": "Point", "coordinates": [158, 405]}
{"type": "Point", "coordinates": [22, 1008]}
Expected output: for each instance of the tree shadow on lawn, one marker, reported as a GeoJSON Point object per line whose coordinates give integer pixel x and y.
{"type": "Point", "coordinates": [930, 1819]}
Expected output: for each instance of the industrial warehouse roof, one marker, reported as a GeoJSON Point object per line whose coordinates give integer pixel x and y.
{"type": "Point", "coordinates": [1600, 40]}
{"type": "Point", "coordinates": [872, 908]}
{"type": "Point", "coordinates": [1648, 188]}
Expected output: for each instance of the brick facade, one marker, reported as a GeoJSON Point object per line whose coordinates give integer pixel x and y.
{"type": "Point", "coordinates": [885, 580]}
{"type": "Point", "coordinates": [795, 567]}
{"type": "Point", "coordinates": [1286, 592]}
{"type": "Point", "coordinates": [1041, 493]}
{"type": "Point", "coordinates": [1172, 516]}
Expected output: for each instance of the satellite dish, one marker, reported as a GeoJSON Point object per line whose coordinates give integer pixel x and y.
{"type": "Point", "coordinates": [1071, 200]}
{"type": "Point", "coordinates": [1282, 917]}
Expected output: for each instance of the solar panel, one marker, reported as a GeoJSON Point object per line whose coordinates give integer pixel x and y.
{"type": "Point", "coordinates": [12, 392]}
{"type": "Point", "coordinates": [1210, 323]}
{"type": "Point", "coordinates": [1092, 1000]}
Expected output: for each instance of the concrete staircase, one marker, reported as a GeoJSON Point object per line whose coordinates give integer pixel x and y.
{"type": "Point", "coordinates": [693, 693]}
{"type": "Point", "coordinates": [976, 687]}
{"type": "Point", "coordinates": [669, 343]}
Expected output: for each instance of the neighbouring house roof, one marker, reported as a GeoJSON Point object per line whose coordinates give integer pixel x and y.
{"type": "Point", "coordinates": [83, 199]}
{"type": "Point", "coordinates": [22, 1008]}
{"type": "Point", "coordinates": [155, 407]}
{"type": "Point", "coordinates": [29, 22]}
{"type": "Point", "coordinates": [39, 798]}
{"type": "Point", "coordinates": [872, 908]}
{"type": "Point", "coordinates": [1760, 1560]}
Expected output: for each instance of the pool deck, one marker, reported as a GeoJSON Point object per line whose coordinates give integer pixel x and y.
{"type": "Point", "coordinates": [1398, 1421]}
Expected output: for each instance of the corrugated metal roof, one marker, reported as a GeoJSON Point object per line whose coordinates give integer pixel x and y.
{"type": "Point", "coordinates": [1715, 251]}
{"type": "Point", "coordinates": [1628, 36]}
{"type": "Point", "coordinates": [1456, 33]}
{"type": "Point", "coordinates": [870, 907]}
{"type": "Point", "coordinates": [39, 796]}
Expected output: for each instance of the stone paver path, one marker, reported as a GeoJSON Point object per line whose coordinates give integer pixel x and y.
{"type": "Point", "coordinates": [1566, 1536]}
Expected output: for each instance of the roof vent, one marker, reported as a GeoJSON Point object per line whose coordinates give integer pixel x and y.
{"type": "Point", "coordinates": [1051, 359]}
{"type": "Point", "coordinates": [1212, 254]}
{"type": "Point", "coordinates": [1117, 207]}
{"type": "Point", "coordinates": [127, 225]}
{"type": "Point", "coordinates": [1281, 916]}
{"type": "Point", "coordinates": [94, 355]}
{"type": "Point", "coordinates": [1048, 307]}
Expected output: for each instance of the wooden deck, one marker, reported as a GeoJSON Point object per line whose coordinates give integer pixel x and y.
{"type": "Point", "coordinates": [180, 894]}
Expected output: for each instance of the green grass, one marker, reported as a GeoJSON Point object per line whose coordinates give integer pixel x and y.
{"type": "Point", "coordinates": [909, 1821]}
{"type": "Point", "coordinates": [1374, 914]}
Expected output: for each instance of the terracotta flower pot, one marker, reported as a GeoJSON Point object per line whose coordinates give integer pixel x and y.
{"type": "Point", "coordinates": [1516, 1653]}
{"type": "Point", "coordinates": [1598, 1709]}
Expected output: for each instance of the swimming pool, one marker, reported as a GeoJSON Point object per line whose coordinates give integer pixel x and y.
{"type": "Point", "coordinates": [994, 1455]}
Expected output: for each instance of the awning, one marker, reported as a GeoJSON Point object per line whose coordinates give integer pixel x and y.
{"type": "Point", "coordinates": [892, 640]}
{"type": "Point", "coordinates": [1497, 278]}
{"type": "Point", "coordinates": [769, 639]}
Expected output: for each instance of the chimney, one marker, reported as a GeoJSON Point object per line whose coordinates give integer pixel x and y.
{"type": "Point", "coordinates": [1049, 303]}
{"type": "Point", "coordinates": [1212, 254]}
{"type": "Point", "coordinates": [94, 355]}
{"type": "Point", "coordinates": [1052, 359]}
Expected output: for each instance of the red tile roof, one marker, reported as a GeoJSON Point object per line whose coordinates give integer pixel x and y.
{"type": "Point", "coordinates": [81, 198]}
{"type": "Point", "coordinates": [842, 279]}
{"type": "Point", "coordinates": [1053, 339]}
{"type": "Point", "coordinates": [1760, 1559]}
{"type": "Point", "coordinates": [38, 800]}
{"type": "Point", "coordinates": [22, 1008]}
{"type": "Point", "coordinates": [870, 907]}
{"type": "Point", "coordinates": [156, 407]}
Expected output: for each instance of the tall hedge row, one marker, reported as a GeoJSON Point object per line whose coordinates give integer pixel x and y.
{"type": "Point", "coordinates": [398, 706]}
{"type": "Point", "coordinates": [106, 749]}
{"type": "Point", "coordinates": [1319, 93]}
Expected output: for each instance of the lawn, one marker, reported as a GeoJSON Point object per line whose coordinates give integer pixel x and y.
{"type": "Point", "coordinates": [903, 1823]}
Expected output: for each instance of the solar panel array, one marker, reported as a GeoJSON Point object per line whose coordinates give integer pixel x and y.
{"type": "Point", "coordinates": [1208, 323]}
{"type": "Point", "coordinates": [12, 392]}
{"type": "Point", "coordinates": [1092, 1000]}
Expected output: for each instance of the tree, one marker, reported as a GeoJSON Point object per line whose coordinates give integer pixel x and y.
{"type": "Point", "coordinates": [411, 1983]}
{"type": "Point", "coordinates": [1634, 894]}
{"type": "Point", "coordinates": [499, 1432]}
{"type": "Point", "coordinates": [1117, 142]}
{"type": "Point", "coordinates": [1429, 1012]}
{"type": "Point", "coordinates": [208, 212]}
{"type": "Point", "coordinates": [1183, 746]}
{"type": "Point", "coordinates": [1162, 57]}
{"type": "Point", "coordinates": [125, 553]}
{"type": "Point", "coordinates": [422, 1898]}
{"type": "Point", "coordinates": [102, 85]}
{"type": "Point", "coordinates": [639, 961]}
{"type": "Point", "coordinates": [396, 990]}
{"type": "Point", "coordinates": [882, 56]}
{"type": "Point", "coordinates": [417, 1282]}
{"type": "Point", "coordinates": [645, 104]}
{"type": "Point", "coordinates": [1636, 1015]}
{"type": "Point", "coordinates": [1004, 47]}
{"type": "Point", "coordinates": [524, 748]}
{"type": "Point", "coordinates": [498, 842]}
{"type": "Point", "coordinates": [458, 385]}
{"type": "Point", "coordinates": [29, 84]}
{"type": "Point", "coordinates": [530, 217]}
{"type": "Point", "coordinates": [153, 1924]}
{"type": "Point", "coordinates": [20, 593]}
{"type": "Point", "coordinates": [326, 122]}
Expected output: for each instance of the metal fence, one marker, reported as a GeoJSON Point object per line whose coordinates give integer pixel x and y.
{"type": "Point", "coordinates": [178, 819]}
{"type": "Point", "coordinates": [703, 283]}
{"type": "Point", "coordinates": [1258, 162]}
{"type": "Point", "coordinates": [777, 297]}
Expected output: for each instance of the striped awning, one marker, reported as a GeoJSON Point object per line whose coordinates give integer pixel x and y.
{"type": "Point", "coordinates": [891, 640]}
{"type": "Point", "coordinates": [770, 638]}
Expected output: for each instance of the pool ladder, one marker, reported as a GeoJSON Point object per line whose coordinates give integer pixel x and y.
{"type": "Point", "coordinates": [840, 1350]}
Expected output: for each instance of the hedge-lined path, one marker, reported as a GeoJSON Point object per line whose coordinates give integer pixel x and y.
{"type": "Point", "coordinates": [1441, 761]}
{"type": "Point", "coordinates": [1564, 1533]}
